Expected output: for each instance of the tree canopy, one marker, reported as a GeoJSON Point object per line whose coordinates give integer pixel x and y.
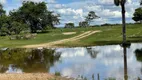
{"type": "Point", "coordinates": [91, 16]}
{"type": "Point", "coordinates": [138, 15]}
{"type": "Point", "coordinates": [35, 15]}
{"type": "Point", "coordinates": [119, 2]}
{"type": "Point", "coordinates": [69, 25]}
{"type": "Point", "coordinates": [30, 16]}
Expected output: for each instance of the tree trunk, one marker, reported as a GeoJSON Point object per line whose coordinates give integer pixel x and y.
{"type": "Point", "coordinates": [123, 23]}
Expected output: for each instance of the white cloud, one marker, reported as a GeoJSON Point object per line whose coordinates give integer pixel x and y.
{"type": "Point", "coordinates": [34, 0]}
{"type": "Point", "coordinates": [106, 1]}
{"type": "Point", "coordinates": [51, 1]}
{"type": "Point", "coordinates": [109, 13]}
{"type": "Point", "coordinates": [70, 11]}
{"type": "Point", "coordinates": [3, 1]}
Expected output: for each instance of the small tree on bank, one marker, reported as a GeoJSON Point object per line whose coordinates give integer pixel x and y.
{"type": "Point", "coordinates": [83, 24]}
{"type": "Point", "coordinates": [69, 25]}
{"type": "Point", "coordinates": [90, 17]}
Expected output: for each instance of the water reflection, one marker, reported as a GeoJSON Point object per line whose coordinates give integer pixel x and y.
{"type": "Point", "coordinates": [27, 60]}
{"type": "Point", "coordinates": [138, 53]}
{"type": "Point", "coordinates": [111, 62]}
{"type": "Point", "coordinates": [125, 63]}
{"type": "Point", "coordinates": [93, 53]}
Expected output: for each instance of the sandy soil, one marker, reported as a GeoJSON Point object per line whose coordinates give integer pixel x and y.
{"type": "Point", "coordinates": [30, 76]}
{"type": "Point", "coordinates": [51, 44]}
{"type": "Point", "coordinates": [69, 33]}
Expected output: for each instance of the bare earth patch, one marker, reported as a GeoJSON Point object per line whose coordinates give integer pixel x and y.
{"type": "Point", "coordinates": [51, 44]}
{"type": "Point", "coordinates": [30, 76]}
{"type": "Point", "coordinates": [69, 33]}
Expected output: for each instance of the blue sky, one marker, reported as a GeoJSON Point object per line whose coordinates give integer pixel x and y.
{"type": "Point", "coordinates": [75, 10]}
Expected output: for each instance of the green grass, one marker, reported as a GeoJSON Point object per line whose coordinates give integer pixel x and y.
{"type": "Point", "coordinates": [40, 38]}
{"type": "Point", "coordinates": [109, 35]}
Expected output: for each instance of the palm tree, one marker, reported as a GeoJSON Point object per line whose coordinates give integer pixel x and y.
{"type": "Point", "coordinates": [122, 4]}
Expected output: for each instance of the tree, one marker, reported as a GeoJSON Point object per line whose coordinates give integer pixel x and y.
{"type": "Point", "coordinates": [11, 27]}
{"type": "Point", "coordinates": [138, 15]}
{"type": "Point", "coordinates": [69, 25]}
{"type": "Point", "coordinates": [2, 17]}
{"type": "Point", "coordinates": [122, 4]}
{"type": "Point", "coordinates": [83, 24]}
{"type": "Point", "coordinates": [5, 25]}
{"type": "Point", "coordinates": [17, 28]}
{"type": "Point", "coordinates": [50, 19]}
{"type": "Point", "coordinates": [140, 2]}
{"type": "Point", "coordinates": [91, 16]}
{"type": "Point", "coordinates": [35, 15]}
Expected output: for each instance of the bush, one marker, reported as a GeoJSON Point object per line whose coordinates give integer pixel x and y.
{"type": "Point", "coordinates": [25, 36]}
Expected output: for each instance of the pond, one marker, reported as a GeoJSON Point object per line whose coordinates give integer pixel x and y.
{"type": "Point", "coordinates": [103, 62]}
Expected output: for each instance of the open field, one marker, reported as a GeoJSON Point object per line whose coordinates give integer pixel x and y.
{"type": "Point", "coordinates": [54, 43]}
{"type": "Point", "coordinates": [108, 35]}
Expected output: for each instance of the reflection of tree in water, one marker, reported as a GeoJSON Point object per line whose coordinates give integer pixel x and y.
{"type": "Point", "coordinates": [138, 53]}
{"type": "Point", "coordinates": [2, 69]}
{"type": "Point", "coordinates": [29, 60]}
{"type": "Point", "coordinates": [93, 53]}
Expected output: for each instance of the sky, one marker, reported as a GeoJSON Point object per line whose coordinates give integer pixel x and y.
{"type": "Point", "coordinates": [76, 10]}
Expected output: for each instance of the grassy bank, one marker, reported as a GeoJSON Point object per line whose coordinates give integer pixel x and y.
{"type": "Point", "coordinates": [109, 35]}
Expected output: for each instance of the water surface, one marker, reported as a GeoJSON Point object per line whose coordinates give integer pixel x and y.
{"type": "Point", "coordinates": [107, 61]}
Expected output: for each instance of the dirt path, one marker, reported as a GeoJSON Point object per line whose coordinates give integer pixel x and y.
{"type": "Point", "coordinates": [83, 35]}
{"type": "Point", "coordinates": [31, 76]}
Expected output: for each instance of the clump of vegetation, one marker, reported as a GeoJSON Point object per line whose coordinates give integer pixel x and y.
{"type": "Point", "coordinates": [83, 24]}
{"type": "Point", "coordinates": [69, 25]}
{"type": "Point", "coordinates": [30, 17]}
{"type": "Point", "coordinates": [91, 16]}
{"type": "Point", "coordinates": [23, 36]}
{"type": "Point", "coordinates": [57, 73]}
